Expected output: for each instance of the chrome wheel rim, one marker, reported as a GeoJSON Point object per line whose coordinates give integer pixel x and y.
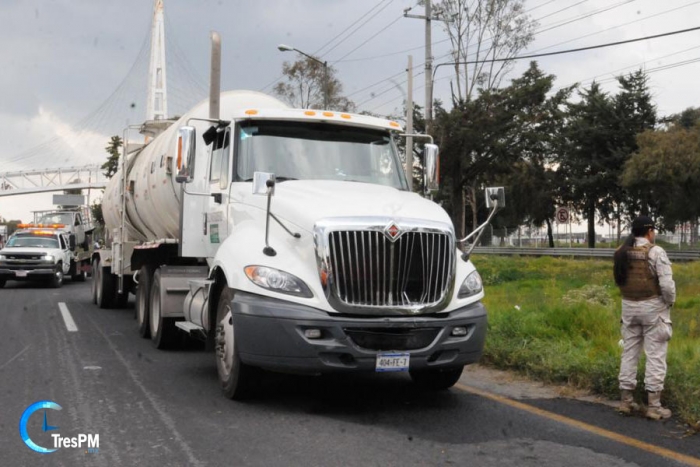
{"type": "Point", "coordinates": [225, 343]}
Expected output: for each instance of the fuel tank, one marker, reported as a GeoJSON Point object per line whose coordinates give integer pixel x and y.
{"type": "Point", "coordinates": [153, 197]}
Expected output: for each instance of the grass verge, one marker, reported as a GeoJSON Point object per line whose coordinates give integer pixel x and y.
{"type": "Point", "coordinates": [558, 320]}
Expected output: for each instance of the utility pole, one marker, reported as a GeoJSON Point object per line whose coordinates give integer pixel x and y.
{"type": "Point", "coordinates": [428, 60]}
{"type": "Point", "coordinates": [409, 125]}
{"type": "Point", "coordinates": [428, 69]}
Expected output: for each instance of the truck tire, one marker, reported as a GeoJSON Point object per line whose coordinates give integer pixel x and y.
{"type": "Point", "coordinates": [436, 380]}
{"type": "Point", "coordinates": [2, 283]}
{"type": "Point", "coordinates": [164, 334]}
{"type": "Point", "coordinates": [237, 379]}
{"type": "Point", "coordinates": [78, 276]}
{"type": "Point", "coordinates": [56, 280]}
{"type": "Point", "coordinates": [95, 264]}
{"type": "Point", "coordinates": [143, 294]}
{"type": "Point", "coordinates": [104, 286]}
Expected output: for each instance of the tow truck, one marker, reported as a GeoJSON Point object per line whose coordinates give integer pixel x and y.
{"type": "Point", "coordinates": [39, 253]}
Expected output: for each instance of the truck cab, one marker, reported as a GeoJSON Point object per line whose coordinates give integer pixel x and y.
{"type": "Point", "coordinates": [36, 254]}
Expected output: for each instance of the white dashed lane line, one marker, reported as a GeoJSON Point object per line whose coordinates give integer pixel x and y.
{"type": "Point", "coordinates": [67, 318]}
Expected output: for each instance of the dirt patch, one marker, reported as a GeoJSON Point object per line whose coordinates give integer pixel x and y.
{"type": "Point", "coordinates": [514, 386]}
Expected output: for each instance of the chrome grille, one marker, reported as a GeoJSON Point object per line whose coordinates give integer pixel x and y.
{"type": "Point", "coordinates": [369, 269]}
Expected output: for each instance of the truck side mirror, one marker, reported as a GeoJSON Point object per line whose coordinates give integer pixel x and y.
{"type": "Point", "coordinates": [495, 194]}
{"type": "Point", "coordinates": [186, 148]}
{"type": "Point", "coordinates": [71, 242]}
{"type": "Point", "coordinates": [432, 168]}
{"type": "Point", "coordinates": [260, 180]}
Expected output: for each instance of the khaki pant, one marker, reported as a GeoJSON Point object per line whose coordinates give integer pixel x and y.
{"type": "Point", "coordinates": [651, 331]}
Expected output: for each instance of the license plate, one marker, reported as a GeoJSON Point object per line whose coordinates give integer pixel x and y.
{"type": "Point", "coordinates": [21, 273]}
{"type": "Point", "coordinates": [392, 362]}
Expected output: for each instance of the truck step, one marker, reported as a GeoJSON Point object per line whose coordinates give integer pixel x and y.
{"type": "Point", "coordinates": [189, 327]}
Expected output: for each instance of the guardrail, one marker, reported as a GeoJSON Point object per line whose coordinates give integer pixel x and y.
{"type": "Point", "coordinates": [673, 255]}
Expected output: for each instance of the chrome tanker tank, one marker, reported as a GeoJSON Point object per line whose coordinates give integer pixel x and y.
{"type": "Point", "coordinates": [152, 195]}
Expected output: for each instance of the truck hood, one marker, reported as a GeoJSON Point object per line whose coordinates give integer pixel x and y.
{"type": "Point", "coordinates": [304, 202]}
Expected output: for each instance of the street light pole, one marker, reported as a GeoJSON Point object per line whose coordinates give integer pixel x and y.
{"type": "Point", "coordinates": [288, 48]}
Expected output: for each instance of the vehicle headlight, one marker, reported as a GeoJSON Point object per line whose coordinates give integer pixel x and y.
{"type": "Point", "coordinates": [472, 285]}
{"type": "Point", "coordinates": [48, 258]}
{"type": "Point", "coordinates": [277, 281]}
{"type": "Point", "coordinates": [3, 257]}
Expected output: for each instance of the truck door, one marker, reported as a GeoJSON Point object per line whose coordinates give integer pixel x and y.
{"type": "Point", "coordinates": [219, 182]}
{"type": "Point", "coordinates": [66, 254]}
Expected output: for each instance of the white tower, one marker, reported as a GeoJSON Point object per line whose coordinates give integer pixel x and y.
{"type": "Point", "coordinates": [157, 107]}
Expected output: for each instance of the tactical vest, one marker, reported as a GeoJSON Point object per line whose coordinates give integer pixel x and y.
{"type": "Point", "coordinates": [641, 283]}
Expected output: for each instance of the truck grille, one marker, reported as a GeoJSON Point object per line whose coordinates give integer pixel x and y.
{"type": "Point", "coordinates": [18, 258]}
{"type": "Point", "coordinates": [369, 268]}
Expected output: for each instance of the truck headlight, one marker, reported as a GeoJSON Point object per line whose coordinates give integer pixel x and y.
{"type": "Point", "coordinates": [472, 285]}
{"type": "Point", "coordinates": [277, 281]}
{"type": "Point", "coordinates": [48, 258]}
{"type": "Point", "coordinates": [3, 257]}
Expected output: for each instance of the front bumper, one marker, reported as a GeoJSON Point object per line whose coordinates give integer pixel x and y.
{"type": "Point", "coordinates": [269, 333]}
{"type": "Point", "coordinates": [25, 272]}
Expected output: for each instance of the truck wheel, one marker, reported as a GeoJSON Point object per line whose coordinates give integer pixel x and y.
{"type": "Point", "coordinates": [436, 380]}
{"type": "Point", "coordinates": [164, 333]}
{"type": "Point", "coordinates": [143, 294]}
{"type": "Point", "coordinates": [95, 265]}
{"type": "Point", "coordinates": [104, 286]}
{"type": "Point", "coordinates": [56, 280]}
{"type": "Point", "coordinates": [78, 276]}
{"type": "Point", "coordinates": [2, 283]}
{"type": "Point", "coordinates": [237, 379]}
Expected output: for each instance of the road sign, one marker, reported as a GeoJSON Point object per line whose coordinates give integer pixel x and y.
{"type": "Point", "coordinates": [562, 215]}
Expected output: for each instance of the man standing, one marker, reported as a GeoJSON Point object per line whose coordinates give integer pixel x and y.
{"type": "Point", "coordinates": [643, 272]}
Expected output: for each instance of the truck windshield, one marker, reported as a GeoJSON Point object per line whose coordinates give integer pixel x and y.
{"type": "Point", "coordinates": [65, 218]}
{"type": "Point", "coordinates": [28, 240]}
{"type": "Point", "coordinates": [318, 151]}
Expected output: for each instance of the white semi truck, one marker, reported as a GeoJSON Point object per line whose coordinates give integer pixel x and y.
{"type": "Point", "coordinates": [288, 239]}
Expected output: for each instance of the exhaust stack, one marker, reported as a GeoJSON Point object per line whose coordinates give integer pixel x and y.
{"type": "Point", "coordinates": [215, 76]}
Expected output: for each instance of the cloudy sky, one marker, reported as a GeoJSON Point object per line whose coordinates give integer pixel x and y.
{"type": "Point", "coordinates": [73, 71]}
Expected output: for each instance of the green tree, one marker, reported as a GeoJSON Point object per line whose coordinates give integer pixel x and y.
{"type": "Point", "coordinates": [635, 113]}
{"type": "Point", "coordinates": [600, 136]}
{"type": "Point", "coordinates": [483, 140]}
{"type": "Point", "coordinates": [113, 149]}
{"type": "Point", "coordinates": [587, 155]}
{"type": "Point", "coordinates": [480, 30]}
{"type": "Point", "coordinates": [305, 83]}
{"type": "Point", "coordinates": [666, 167]}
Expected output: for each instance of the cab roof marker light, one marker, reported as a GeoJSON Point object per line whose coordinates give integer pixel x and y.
{"type": "Point", "coordinates": [348, 116]}
{"type": "Point", "coordinates": [310, 113]}
{"type": "Point", "coordinates": [328, 114]}
{"type": "Point", "coordinates": [251, 112]}
{"type": "Point", "coordinates": [394, 124]}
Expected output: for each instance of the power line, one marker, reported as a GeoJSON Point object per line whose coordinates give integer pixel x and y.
{"type": "Point", "coordinates": [553, 26]}
{"type": "Point", "coordinates": [384, 29]}
{"type": "Point", "coordinates": [582, 49]}
{"type": "Point", "coordinates": [350, 26]}
{"type": "Point", "coordinates": [276, 80]}
{"type": "Point", "coordinates": [619, 26]}
{"type": "Point", "coordinates": [357, 28]}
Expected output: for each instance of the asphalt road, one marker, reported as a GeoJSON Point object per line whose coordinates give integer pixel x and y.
{"type": "Point", "coordinates": [157, 408]}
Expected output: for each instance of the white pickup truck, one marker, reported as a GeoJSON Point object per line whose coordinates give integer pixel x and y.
{"type": "Point", "coordinates": [36, 254]}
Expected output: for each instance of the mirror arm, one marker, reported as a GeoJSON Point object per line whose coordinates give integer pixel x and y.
{"type": "Point", "coordinates": [293, 234]}
{"type": "Point", "coordinates": [268, 250]}
{"type": "Point", "coordinates": [417, 135]}
{"type": "Point", "coordinates": [479, 230]}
